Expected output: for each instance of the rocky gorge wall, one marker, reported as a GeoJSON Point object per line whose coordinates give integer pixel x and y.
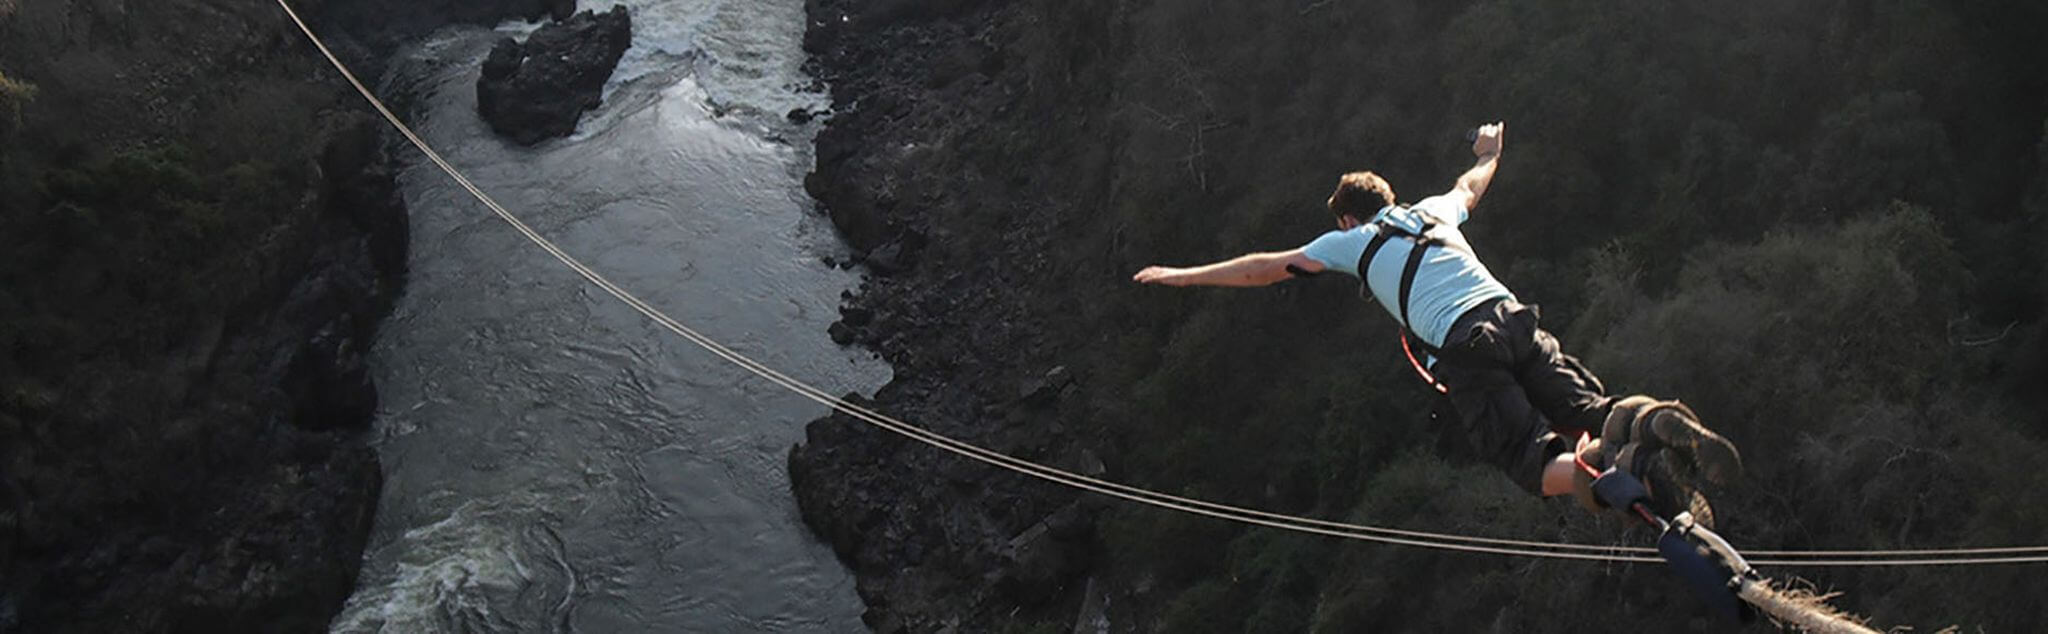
{"type": "Point", "coordinates": [924, 168]}
{"type": "Point", "coordinates": [202, 233]}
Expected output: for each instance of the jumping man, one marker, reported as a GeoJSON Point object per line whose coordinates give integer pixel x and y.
{"type": "Point", "coordinates": [1521, 400]}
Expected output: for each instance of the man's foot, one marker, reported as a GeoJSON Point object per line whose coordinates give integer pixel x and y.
{"type": "Point", "coordinates": [1670, 478]}
{"type": "Point", "coordinates": [1662, 424]}
{"type": "Point", "coordinates": [1677, 427]}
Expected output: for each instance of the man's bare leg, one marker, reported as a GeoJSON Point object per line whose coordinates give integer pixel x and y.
{"type": "Point", "coordinates": [1557, 476]}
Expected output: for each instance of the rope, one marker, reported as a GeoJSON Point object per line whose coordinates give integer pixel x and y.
{"type": "Point", "coordinates": [1808, 613]}
{"type": "Point", "coordinates": [1419, 539]}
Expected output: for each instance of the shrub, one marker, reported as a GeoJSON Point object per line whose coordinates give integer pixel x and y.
{"type": "Point", "coordinates": [13, 94]}
{"type": "Point", "coordinates": [136, 247]}
{"type": "Point", "coordinates": [1210, 606]}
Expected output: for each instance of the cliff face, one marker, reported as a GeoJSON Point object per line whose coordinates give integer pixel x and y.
{"type": "Point", "coordinates": [1004, 167]}
{"type": "Point", "coordinates": [202, 233]}
{"type": "Point", "coordinates": [955, 163]}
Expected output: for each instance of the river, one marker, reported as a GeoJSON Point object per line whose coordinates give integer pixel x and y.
{"type": "Point", "coordinates": [554, 461]}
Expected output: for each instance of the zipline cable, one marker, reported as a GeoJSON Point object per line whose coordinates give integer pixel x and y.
{"type": "Point", "coordinates": [1421, 539]}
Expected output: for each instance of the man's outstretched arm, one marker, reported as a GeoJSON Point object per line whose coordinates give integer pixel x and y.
{"type": "Point", "coordinates": [1252, 269]}
{"type": "Point", "coordinates": [1472, 185]}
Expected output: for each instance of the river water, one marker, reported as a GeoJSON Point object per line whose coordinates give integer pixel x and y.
{"type": "Point", "coordinates": [555, 462]}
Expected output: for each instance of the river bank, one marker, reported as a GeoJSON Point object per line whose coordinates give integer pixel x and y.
{"type": "Point", "coordinates": [926, 98]}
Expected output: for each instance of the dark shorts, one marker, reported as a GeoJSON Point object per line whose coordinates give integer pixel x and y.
{"type": "Point", "coordinates": [1521, 399]}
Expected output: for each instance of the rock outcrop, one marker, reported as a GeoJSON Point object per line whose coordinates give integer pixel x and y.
{"type": "Point", "coordinates": [926, 97]}
{"type": "Point", "coordinates": [538, 89]}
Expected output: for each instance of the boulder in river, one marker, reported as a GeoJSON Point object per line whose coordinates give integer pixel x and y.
{"type": "Point", "coordinates": [558, 9]}
{"type": "Point", "coordinates": [537, 89]}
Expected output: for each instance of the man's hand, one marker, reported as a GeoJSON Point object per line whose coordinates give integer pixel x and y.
{"type": "Point", "coordinates": [1487, 142]}
{"type": "Point", "coordinates": [1167, 275]}
{"type": "Point", "coordinates": [1486, 146]}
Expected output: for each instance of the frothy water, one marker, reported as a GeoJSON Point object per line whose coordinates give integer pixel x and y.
{"type": "Point", "coordinates": [555, 462]}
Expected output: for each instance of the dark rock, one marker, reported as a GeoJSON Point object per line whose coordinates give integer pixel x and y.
{"type": "Point", "coordinates": [559, 9]}
{"type": "Point", "coordinates": [1045, 388]}
{"type": "Point", "coordinates": [962, 60]}
{"type": "Point", "coordinates": [801, 116]}
{"type": "Point", "coordinates": [330, 382]}
{"type": "Point", "coordinates": [856, 316]}
{"type": "Point", "coordinates": [1071, 523]}
{"type": "Point", "coordinates": [910, 11]}
{"type": "Point", "coordinates": [1091, 465]}
{"type": "Point", "coordinates": [841, 333]}
{"type": "Point", "coordinates": [963, 472]}
{"type": "Point", "coordinates": [897, 255]}
{"type": "Point", "coordinates": [363, 189]}
{"type": "Point", "coordinates": [538, 89]}
{"type": "Point", "coordinates": [366, 32]}
{"type": "Point", "coordinates": [881, 621]}
{"type": "Point", "coordinates": [923, 187]}
{"type": "Point", "coordinates": [1038, 564]}
{"type": "Point", "coordinates": [888, 259]}
{"type": "Point", "coordinates": [854, 209]}
{"type": "Point", "coordinates": [503, 60]}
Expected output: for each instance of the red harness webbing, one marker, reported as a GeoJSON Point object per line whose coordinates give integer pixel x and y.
{"type": "Point", "coordinates": [1419, 370]}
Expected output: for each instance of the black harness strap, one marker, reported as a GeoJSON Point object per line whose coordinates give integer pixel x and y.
{"type": "Point", "coordinates": [1408, 275]}
{"type": "Point", "coordinates": [1421, 243]}
{"type": "Point", "coordinates": [1379, 239]}
{"type": "Point", "coordinates": [1408, 271]}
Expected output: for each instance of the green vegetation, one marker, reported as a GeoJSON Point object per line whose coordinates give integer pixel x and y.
{"type": "Point", "coordinates": [1024, 627]}
{"type": "Point", "coordinates": [1816, 223]}
{"type": "Point", "coordinates": [123, 256]}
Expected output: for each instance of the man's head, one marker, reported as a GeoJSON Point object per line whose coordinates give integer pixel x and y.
{"type": "Point", "coordinates": [1359, 195]}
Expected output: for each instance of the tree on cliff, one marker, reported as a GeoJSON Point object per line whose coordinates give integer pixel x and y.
{"type": "Point", "coordinates": [14, 95]}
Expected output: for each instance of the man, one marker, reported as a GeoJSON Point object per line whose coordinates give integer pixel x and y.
{"type": "Point", "coordinates": [1521, 400]}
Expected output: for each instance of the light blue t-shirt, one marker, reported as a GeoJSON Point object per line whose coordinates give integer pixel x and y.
{"type": "Point", "coordinates": [1449, 282]}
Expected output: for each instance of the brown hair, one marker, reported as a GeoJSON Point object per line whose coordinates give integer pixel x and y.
{"type": "Point", "coordinates": [1360, 195]}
